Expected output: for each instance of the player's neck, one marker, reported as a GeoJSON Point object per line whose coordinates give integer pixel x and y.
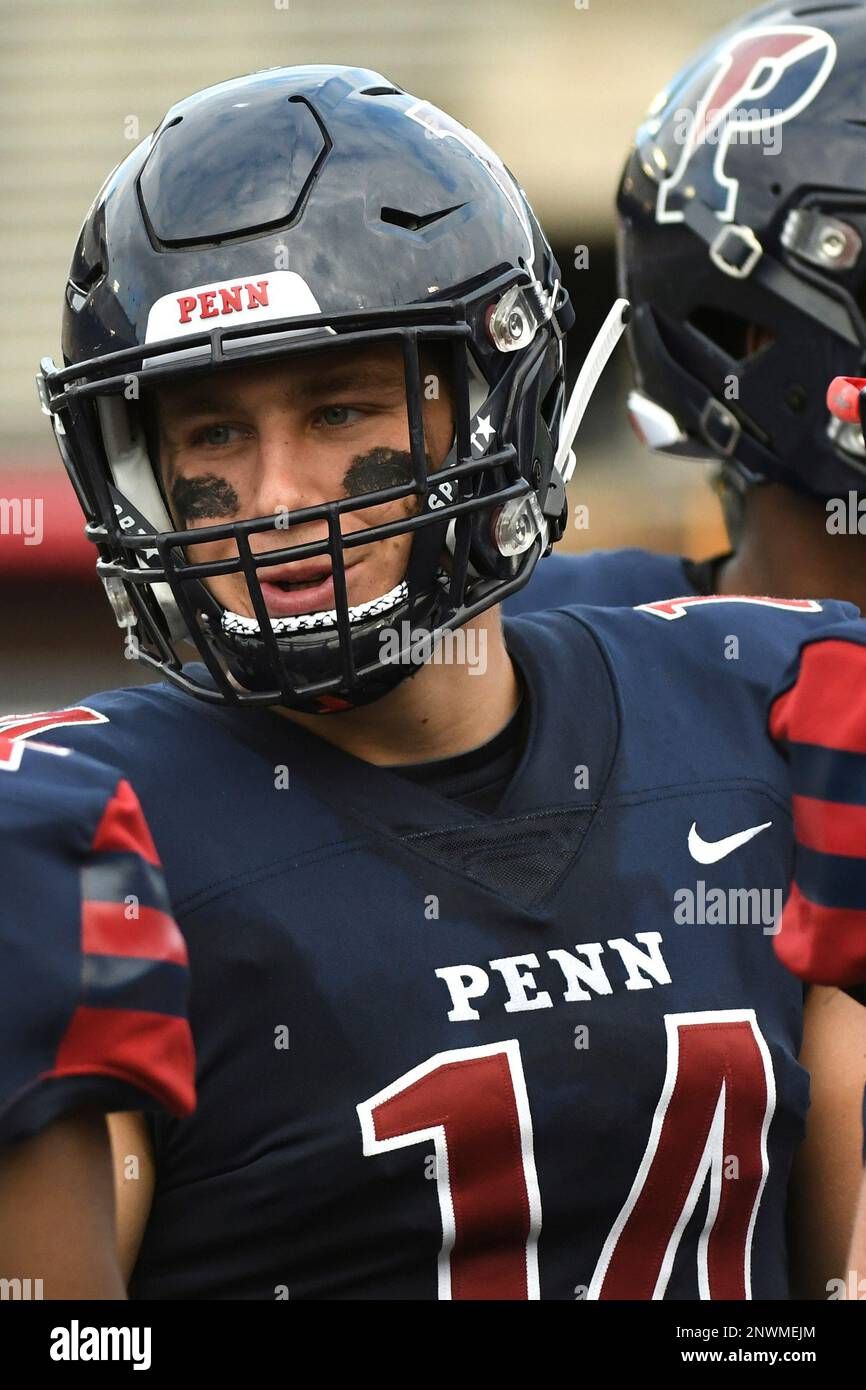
{"type": "Point", "coordinates": [450, 705]}
{"type": "Point", "coordinates": [786, 550]}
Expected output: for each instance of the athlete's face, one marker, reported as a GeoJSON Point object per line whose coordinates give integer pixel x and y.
{"type": "Point", "coordinates": [271, 438]}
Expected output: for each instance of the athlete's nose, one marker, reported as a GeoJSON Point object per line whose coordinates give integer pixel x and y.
{"type": "Point", "coordinates": [285, 481]}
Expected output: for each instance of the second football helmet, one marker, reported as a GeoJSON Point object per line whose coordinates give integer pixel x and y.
{"type": "Point", "coordinates": [743, 249]}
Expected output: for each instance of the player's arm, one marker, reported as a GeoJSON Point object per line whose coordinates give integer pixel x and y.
{"type": "Point", "coordinates": [57, 1211]}
{"type": "Point", "coordinates": [92, 1020]}
{"type": "Point", "coordinates": [828, 1171]}
{"type": "Point", "coordinates": [134, 1176]}
{"type": "Point", "coordinates": [819, 722]}
{"type": "Point", "coordinates": [857, 1253]}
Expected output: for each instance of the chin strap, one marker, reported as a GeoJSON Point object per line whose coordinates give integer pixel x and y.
{"type": "Point", "coordinates": [593, 365]}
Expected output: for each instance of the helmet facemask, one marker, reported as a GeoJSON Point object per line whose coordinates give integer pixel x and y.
{"type": "Point", "coordinates": [473, 520]}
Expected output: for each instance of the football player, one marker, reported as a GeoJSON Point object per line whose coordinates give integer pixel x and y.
{"type": "Point", "coordinates": [741, 250]}
{"type": "Point", "coordinates": [93, 984]}
{"type": "Point", "coordinates": [821, 729]}
{"type": "Point", "coordinates": [480, 921]}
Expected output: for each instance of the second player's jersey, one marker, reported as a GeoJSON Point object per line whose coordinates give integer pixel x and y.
{"type": "Point", "coordinates": [608, 578]}
{"type": "Point", "coordinates": [544, 1053]}
{"type": "Point", "coordinates": [819, 718]}
{"type": "Point", "coordinates": [93, 968]}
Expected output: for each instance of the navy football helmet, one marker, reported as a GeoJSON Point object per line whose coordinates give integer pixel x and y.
{"type": "Point", "coordinates": [741, 248]}
{"type": "Point", "coordinates": [300, 209]}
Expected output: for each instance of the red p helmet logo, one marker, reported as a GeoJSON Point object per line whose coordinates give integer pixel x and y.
{"type": "Point", "coordinates": [749, 86]}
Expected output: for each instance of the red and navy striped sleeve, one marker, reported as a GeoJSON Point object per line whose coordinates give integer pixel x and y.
{"type": "Point", "coordinates": [819, 721]}
{"type": "Point", "coordinates": [93, 967]}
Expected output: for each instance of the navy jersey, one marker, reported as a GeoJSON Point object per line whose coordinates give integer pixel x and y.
{"type": "Point", "coordinates": [547, 1052]}
{"type": "Point", "coordinates": [93, 968]}
{"type": "Point", "coordinates": [609, 578]}
{"type": "Point", "coordinates": [819, 719]}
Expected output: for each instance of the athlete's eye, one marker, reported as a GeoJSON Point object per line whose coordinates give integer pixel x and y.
{"type": "Point", "coordinates": [334, 416]}
{"type": "Point", "coordinates": [217, 436]}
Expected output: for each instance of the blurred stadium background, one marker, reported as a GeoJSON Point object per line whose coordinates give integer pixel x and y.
{"type": "Point", "coordinates": [557, 87]}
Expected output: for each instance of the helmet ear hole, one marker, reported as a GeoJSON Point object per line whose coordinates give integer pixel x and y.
{"type": "Point", "coordinates": [738, 337]}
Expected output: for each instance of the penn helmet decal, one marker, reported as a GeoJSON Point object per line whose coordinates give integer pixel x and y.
{"type": "Point", "coordinates": [751, 85]}
{"type": "Point", "coordinates": [247, 298]}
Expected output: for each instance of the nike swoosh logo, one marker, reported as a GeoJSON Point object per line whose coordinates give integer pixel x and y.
{"type": "Point", "coordinates": [711, 851]}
